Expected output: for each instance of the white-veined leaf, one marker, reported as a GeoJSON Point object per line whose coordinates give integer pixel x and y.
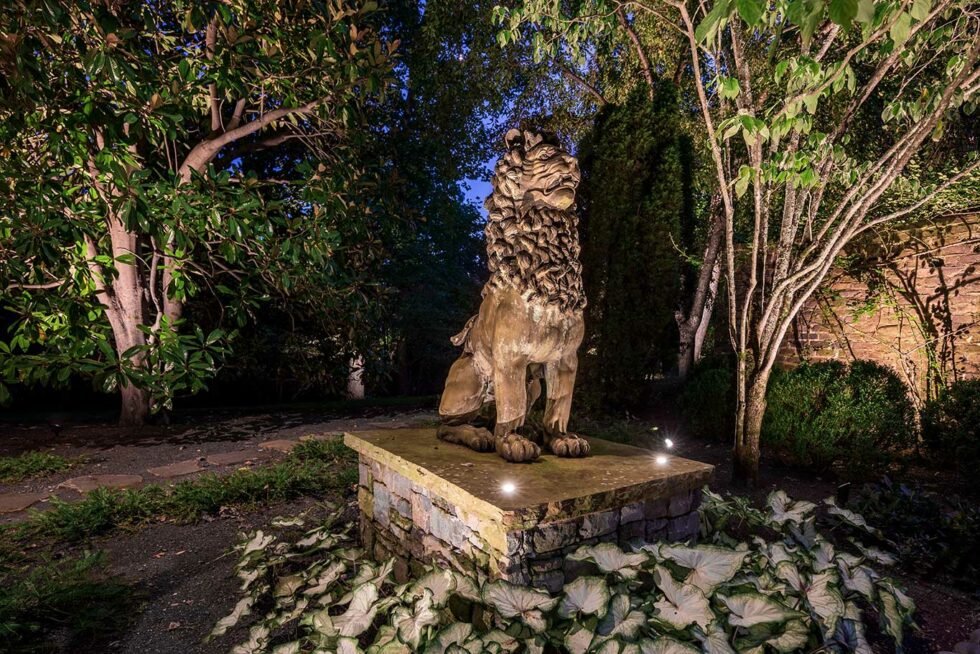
{"type": "Point", "coordinates": [609, 559]}
{"type": "Point", "coordinates": [715, 641]}
{"type": "Point", "coordinates": [665, 645]}
{"type": "Point", "coordinates": [849, 517]}
{"type": "Point", "coordinates": [441, 583]}
{"type": "Point", "coordinates": [584, 596]}
{"type": "Point", "coordinates": [683, 604]}
{"type": "Point", "coordinates": [748, 609]}
{"type": "Point", "coordinates": [710, 566]}
{"type": "Point", "coordinates": [360, 612]}
{"type": "Point", "coordinates": [792, 639]}
{"type": "Point", "coordinates": [513, 601]}
{"type": "Point", "coordinates": [783, 509]}
{"type": "Point", "coordinates": [825, 600]}
{"type": "Point", "coordinates": [412, 623]}
{"type": "Point", "coordinates": [455, 634]}
{"type": "Point", "coordinates": [621, 619]}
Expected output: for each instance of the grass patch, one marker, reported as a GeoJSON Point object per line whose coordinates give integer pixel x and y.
{"type": "Point", "coordinates": [69, 603]}
{"type": "Point", "coordinates": [311, 469]}
{"type": "Point", "coordinates": [31, 464]}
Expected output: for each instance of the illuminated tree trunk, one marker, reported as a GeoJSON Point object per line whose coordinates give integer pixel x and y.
{"type": "Point", "coordinates": [750, 409]}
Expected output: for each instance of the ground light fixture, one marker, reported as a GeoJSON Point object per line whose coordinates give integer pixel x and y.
{"type": "Point", "coordinates": [661, 459]}
{"type": "Point", "coordinates": [508, 488]}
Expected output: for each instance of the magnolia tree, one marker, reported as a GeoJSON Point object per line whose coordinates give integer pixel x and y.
{"type": "Point", "coordinates": [822, 118]}
{"type": "Point", "coordinates": [136, 140]}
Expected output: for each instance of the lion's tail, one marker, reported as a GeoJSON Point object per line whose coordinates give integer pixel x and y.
{"type": "Point", "coordinates": [460, 338]}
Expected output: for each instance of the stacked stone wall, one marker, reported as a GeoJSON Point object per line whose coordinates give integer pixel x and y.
{"type": "Point", "coordinates": [402, 519]}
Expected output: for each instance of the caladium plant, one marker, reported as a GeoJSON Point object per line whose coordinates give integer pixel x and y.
{"type": "Point", "coordinates": [769, 580]}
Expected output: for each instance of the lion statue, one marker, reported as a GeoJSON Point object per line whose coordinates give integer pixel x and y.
{"type": "Point", "coordinates": [530, 322]}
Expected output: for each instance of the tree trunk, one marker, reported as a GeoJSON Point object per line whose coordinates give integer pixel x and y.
{"type": "Point", "coordinates": [135, 406]}
{"type": "Point", "coordinates": [750, 409]}
{"type": "Point", "coordinates": [693, 326]}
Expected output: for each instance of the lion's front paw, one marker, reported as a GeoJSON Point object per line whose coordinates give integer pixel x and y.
{"type": "Point", "coordinates": [569, 445]}
{"type": "Point", "coordinates": [517, 449]}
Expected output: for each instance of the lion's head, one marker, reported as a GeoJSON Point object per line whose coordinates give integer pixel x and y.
{"type": "Point", "coordinates": [532, 236]}
{"type": "Point", "coordinates": [534, 169]}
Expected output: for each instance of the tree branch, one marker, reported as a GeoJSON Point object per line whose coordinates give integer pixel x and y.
{"type": "Point", "coordinates": [641, 55]}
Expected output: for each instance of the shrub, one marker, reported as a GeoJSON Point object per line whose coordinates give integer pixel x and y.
{"type": "Point", "coordinates": [707, 402]}
{"type": "Point", "coordinates": [828, 413]}
{"type": "Point", "coordinates": [936, 536]}
{"type": "Point", "coordinates": [791, 590]}
{"type": "Point", "coordinates": [71, 602]}
{"type": "Point", "coordinates": [951, 425]}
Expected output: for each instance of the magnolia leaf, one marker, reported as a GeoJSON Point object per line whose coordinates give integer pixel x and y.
{"type": "Point", "coordinates": [748, 609]}
{"type": "Point", "coordinates": [665, 646]}
{"type": "Point", "coordinates": [282, 522]}
{"type": "Point", "coordinates": [584, 596]}
{"type": "Point", "coordinates": [609, 559]}
{"type": "Point", "coordinates": [792, 639]}
{"type": "Point", "coordinates": [412, 623]}
{"type": "Point", "coordinates": [455, 634]}
{"type": "Point", "coordinates": [683, 604]}
{"type": "Point", "coordinates": [783, 509]}
{"type": "Point", "coordinates": [621, 619]}
{"type": "Point", "coordinates": [360, 612]}
{"type": "Point", "coordinates": [710, 566]}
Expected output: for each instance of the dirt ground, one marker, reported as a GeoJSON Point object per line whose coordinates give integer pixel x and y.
{"type": "Point", "coordinates": [184, 576]}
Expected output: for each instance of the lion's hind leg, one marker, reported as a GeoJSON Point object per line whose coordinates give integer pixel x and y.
{"type": "Point", "coordinates": [461, 402]}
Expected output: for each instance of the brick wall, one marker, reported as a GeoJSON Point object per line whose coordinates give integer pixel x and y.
{"type": "Point", "coordinates": [909, 299]}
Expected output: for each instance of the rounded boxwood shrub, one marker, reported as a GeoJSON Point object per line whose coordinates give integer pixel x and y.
{"type": "Point", "coordinates": [951, 425]}
{"type": "Point", "coordinates": [828, 413]}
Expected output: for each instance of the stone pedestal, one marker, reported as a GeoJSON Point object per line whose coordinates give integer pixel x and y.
{"type": "Point", "coordinates": [423, 500]}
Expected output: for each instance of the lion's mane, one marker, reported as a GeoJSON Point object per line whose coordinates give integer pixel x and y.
{"type": "Point", "coordinates": [532, 248]}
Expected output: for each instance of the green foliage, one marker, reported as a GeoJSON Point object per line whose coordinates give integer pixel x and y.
{"type": "Point", "coordinates": [707, 401]}
{"type": "Point", "coordinates": [153, 123]}
{"type": "Point", "coordinates": [935, 535]}
{"type": "Point", "coordinates": [312, 588]}
{"type": "Point", "coordinates": [635, 196]}
{"type": "Point", "coordinates": [31, 464]}
{"type": "Point", "coordinates": [312, 468]}
{"type": "Point", "coordinates": [70, 602]}
{"type": "Point", "coordinates": [951, 426]}
{"type": "Point", "coordinates": [857, 416]}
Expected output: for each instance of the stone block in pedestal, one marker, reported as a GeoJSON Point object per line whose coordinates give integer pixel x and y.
{"type": "Point", "coordinates": [426, 501]}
